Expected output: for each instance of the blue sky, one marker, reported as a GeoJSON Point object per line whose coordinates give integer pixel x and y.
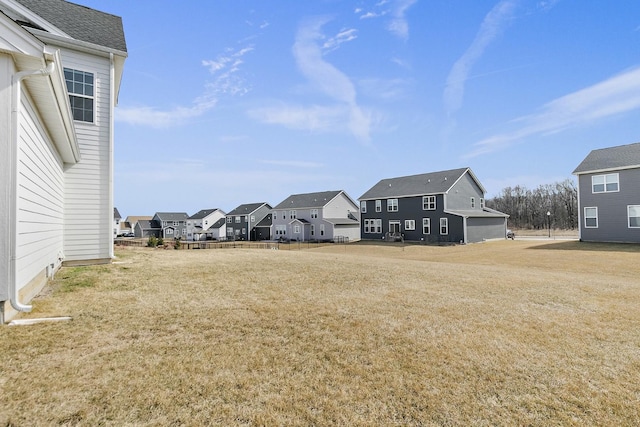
{"type": "Point", "coordinates": [228, 102]}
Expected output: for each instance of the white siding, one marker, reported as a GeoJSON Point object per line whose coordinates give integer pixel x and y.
{"type": "Point", "coordinates": [40, 194]}
{"type": "Point", "coordinates": [339, 207]}
{"type": "Point", "coordinates": [88, 215]}
{"type": "Point", "coordinates": [6, 69]}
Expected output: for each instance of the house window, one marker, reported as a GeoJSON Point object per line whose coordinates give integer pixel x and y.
{"type": "Point", "coordinates": [296, 229]}
{"type": "Point", "coordinates": [426, 225]}
{"type": "Point", "coordinates": [473, 203]}
{"type": "Point", "coordinates": [80, 88]}
{"type": "Point", "coordinates": [293, 214]}
{"type": "Point", "coordinates": [281, 230]}
{"type": "Point", "coordinates": [392, 205]}
{"type": "Point", "coordinates": [244, 230]}
{"type": "Point", "coordinates": [253, 218]}
{"type": "Point", "coordinates": [322, 229]}
{"type": "Point", "coordinates": [591, 217]}
{"type": "Point", "coordinates": [444, 226]}
{"type": "Point", "coordinates": [481, 203]}
{"type": "Point", "coordinates": [409, 224]}
{"type": "Point", "coordinates": [313, 229]}
{"type": "Point", "coordinates": [633, 212]}
{"type": "Point", "coordinates": [605, 183]}
{"type": "Point", "coordinates": [378, 205]}
{"type": "Point", "coordinates": [428, 203]}
{"type": "Point", "coordinates": [237, 219]}
{"type": "Point", "coordinates": [169, 231]}
{"type": "Point", "coordinates": [229, 220]}
{"type": "Point", "coordinates": [363, 206]}
{"type": "Point", "coordinates": [314, 213]}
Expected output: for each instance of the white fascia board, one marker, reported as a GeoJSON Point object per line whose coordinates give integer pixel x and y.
{"type": "Point", "coordinates": [621, 168]}
{"type": "Point", "coordinates": [17, 40]}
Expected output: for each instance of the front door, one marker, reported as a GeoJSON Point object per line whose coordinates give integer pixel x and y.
{"type": "Point", "coordinates": [394, 227]}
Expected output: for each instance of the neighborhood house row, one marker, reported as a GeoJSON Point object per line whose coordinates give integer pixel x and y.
{"type": "Point", "coordinates": [61, 67]}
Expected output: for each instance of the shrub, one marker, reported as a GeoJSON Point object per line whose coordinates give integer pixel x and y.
{"type": "Point", "coordinates": [152, 242]}
{"type": "Point", "coordinates": [160, 241]}
{"type": "Point", "coordinates": [176, 243]}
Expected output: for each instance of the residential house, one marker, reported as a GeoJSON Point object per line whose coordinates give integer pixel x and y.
{"type": "Point", "coordinates": [445, 206]}
{"type": "Point", "coordinates": [199, 223]}
{"type": "Point", "coordinates": [60, 71]}
{"type": "Point", "coordinates": [609, 194]}
{"type": "Point", "coordinates": [241, 221]}
{"type": "Point", "coordinates": [324, 215]}
{"type": "Point", "coordinates": [147, 228]}
{"type": "Point", "coordinates": [263, 228]}
{"type": "Point", "coordinates": [173, 225]}
{"type": "Point", "coordinates": [116, 222]}
{"type": "Point", "coordinates": [217, 231]}
{"type": "Point", "coordinates": [129, 223]}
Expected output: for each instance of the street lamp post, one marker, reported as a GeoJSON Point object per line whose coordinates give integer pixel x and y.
{"type": "Point", "coordinates": [549, 220]}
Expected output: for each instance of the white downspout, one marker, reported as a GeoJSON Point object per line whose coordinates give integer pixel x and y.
{"type": "Point", "coordinates": [16, 92]}
{"type": "Point", "coordinates": [112, 102]}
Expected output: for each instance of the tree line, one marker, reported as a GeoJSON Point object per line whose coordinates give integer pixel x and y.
{"type": "Point", "coordinates": [528, 208]}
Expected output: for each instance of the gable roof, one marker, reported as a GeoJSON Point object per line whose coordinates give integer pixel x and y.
{"type": "Point", "coordinates": [308, 200]}
{"type": "Point", "coordinates": [417, 185]}
{"type": "Point", "coordinates": [219, 223]}
{"type": "Point", "coordinates": [145, 224]}
{"type": "Point", "coordinates": [248, 208]}
{"type": "Point", "coordinates": [267, 221]}
{"type": "Point", "coordinates": [171, 216]}
{"type": "Point", "coordinates": [203, 213]}
{"type": "Point", "coordinates": [116, 214]}
{"type": "Point", "coordinates": [78, 22]}
{"type": "Point", "coordinates": [611, 158]}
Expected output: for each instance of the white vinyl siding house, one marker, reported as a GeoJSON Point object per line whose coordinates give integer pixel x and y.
{"type": "Point", "coordinates": [57, 204]}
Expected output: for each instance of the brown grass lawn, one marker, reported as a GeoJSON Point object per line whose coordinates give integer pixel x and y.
{"type": "Point", "coordinates": [500, 333]}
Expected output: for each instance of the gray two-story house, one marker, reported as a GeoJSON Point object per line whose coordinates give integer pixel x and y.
{"type": "Point", "coordinates": [609, 194]}
{"type": "Point", "coordinates": [324, 215]}
{"type": "Point", "coordinates": [242, 221]}
{"type": "Point", "coordinates": [445, 206]}
{"type": "Point", "coordinates": [173, 225]}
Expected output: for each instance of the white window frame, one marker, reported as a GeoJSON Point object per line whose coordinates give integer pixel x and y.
{"type": "Point", "coordinates": [636, 215]}
{"type": "Point", "coordinates": [312, 229]}
{"type": "Point", "coordinates": [253, 218]}
{"type": "Point", "coordinates": [322, 229]}
{"type": "Point", "coordinates": [607, 180]}
{"type": "Point", "coordinates": [314, 213]}
{"type": "Point", "coordinates": [481, 203]}
{"type": "Point", "coordinates": [428, 203]}
{"type": "Point", "coordinates": [587, 216]}
{"type": "Point", "coordinates": [426, 225]}
{"type": "Point", "coordinates": [237, 219]}
{"type": "Point", "coordinates": [363, 206]}
{"type": "Point", "coordinates": [229, 220]}
{"type": "Point", "coordinates": [293, 214]}
{"type": "Point", "coordinates": [409, 224]}
{"type": "Point", "coordinates": [378, 205]}
{"type": "Point", "coordinates": [444, 226]}
{"type": "Point", "coordinates": [392, 205]}
{"type": "Point", "coordinates": [473, 203]}
{"type": "Point", "coordinates": [281, 230]}
{"type": "Point", "coordinates": [80, 90]}
{"type": "Point", "coordinates": [296, 229]}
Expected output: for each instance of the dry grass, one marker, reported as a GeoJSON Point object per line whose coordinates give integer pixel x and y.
{"type": "Point", "coordinates": [502, 333]}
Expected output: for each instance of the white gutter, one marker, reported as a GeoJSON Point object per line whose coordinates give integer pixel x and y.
{"type": "Point", "coordinates": [16, 91]}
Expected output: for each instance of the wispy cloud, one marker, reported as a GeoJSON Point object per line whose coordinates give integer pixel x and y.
{"type": "Point", "coordinates": [398, 24]}
{"type": "Point", "coordinates": [491, 28]}
{"type": "Point", "coordinates": [326, 79]}
{"type": "Point", "coordinates": [617, 95]}
{"type": "Point", "coordinates": [396, 9]}
{"type": "Point", "coordinates": [345, 35]}
{"type": "Point", "coordinates": [226, 81]}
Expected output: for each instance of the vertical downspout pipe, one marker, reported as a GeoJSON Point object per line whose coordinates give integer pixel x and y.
{"type": "Point", "coordinates": [16, 91]}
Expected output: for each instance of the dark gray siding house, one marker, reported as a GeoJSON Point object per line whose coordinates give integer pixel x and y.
{"type": "Point", "coordinates": [173, 224]}
{"type": "Point", "coordinates": [609, 195]}
{"type": "Point", "coordinates": [445, 206]}
{"type": "Point", "coordinates": [241, 221]}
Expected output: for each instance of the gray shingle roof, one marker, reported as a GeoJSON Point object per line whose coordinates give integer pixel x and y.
{"type": "Point", "coordinates": [81, 22]}
{"type": "Point", "coordinates": [247, 208]}
{"type": "Point", "coordinates": [172, 216]}
{"type": "Point", "coordinates": [620, 157]}
{"type": "Point", "coordinates": [414, 185]}
{"type": "Point", "coordinates": [308, 200]}
{"type": "Point", "coordinates": [202, 213]}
